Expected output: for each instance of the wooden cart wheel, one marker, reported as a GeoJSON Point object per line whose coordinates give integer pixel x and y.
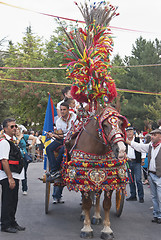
{"type": "Point", "coordinates": [47, 197]}
{"type": "Point", "coordinates": [120, 196]}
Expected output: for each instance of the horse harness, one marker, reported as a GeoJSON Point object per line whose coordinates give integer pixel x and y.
{"type": "Point", "coordinates": [112, 117]}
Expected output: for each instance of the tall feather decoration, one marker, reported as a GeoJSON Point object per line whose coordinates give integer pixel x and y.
{"type": "Point", "coordinates": [89, 50]}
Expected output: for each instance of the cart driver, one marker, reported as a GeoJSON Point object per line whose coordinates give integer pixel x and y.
{"type": "Point", "coordinates": [63, 125]}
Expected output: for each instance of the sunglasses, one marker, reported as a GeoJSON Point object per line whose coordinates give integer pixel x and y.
{"type": "Point", "coordinates": [12, 126]}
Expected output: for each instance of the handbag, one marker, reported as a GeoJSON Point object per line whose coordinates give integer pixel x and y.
{"type": "Point", "coordinates": [27, 158]}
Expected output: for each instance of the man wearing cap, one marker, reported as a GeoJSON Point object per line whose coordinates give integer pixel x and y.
{"type": "Point", "coordinates": [135, 159]}
{"type": "Point", "coordinates": [154, 169]}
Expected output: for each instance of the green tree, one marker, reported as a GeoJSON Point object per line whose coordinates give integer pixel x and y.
{"type": "Point", "coordinates": [142, 79]}
{"type": "Point", "coordinates": [154, 110]}
{"type": "Point", "coordinates": [2, 52]}
{"type": "Point", "coordinates": [54, 57]}
{"type": "Point", "coordinates": [26, 100]}
{"type": "Point", "coordinates": [118, 73]}
{"type": "Point", "coordinates": [3, 103]}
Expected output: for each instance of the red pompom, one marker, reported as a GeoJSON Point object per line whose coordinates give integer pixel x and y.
{"type": "Point", "coordinates": [112, 90]}
{"type": "Point", "coordinates": [80, 97]}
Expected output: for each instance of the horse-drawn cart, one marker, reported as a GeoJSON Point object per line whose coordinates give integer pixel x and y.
{"type": "Point", "coordinates": [95, 159]}
{"type": "Point", "coordinates": [97, 164]}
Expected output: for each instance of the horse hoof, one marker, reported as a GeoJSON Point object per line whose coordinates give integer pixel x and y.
{"type": "Point", "coordinates": [82, 217]}
{"type": "Point", "coordinates": [96, 221]}
{"type": "Point", "coordinates": [107, 236]}
{"type": "Point", "coordinates": [86, 234]}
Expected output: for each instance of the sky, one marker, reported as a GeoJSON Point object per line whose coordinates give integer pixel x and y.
{"type": "Point", "coordinates": [143, 17]}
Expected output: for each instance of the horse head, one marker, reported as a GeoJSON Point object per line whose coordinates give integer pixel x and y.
{"type": "Point", "coordinates": [112, 127]}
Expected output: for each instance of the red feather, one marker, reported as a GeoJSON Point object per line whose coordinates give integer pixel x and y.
{"type": "Point", "coordinates": [80, 97]}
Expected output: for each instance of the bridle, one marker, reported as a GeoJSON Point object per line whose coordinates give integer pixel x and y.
{"type": "Point", "coordinates": [113, 117]}
{"type": "Point", "coordinates": [116, 134]}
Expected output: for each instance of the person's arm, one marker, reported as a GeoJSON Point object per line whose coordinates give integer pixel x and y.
{"type": "Point", "coordinates": [58, 134]}
{"type": "Point", "coordinates": [58, 109]}
{"type": "Point", "coordinates": [33, 141]}
{"type": "Point", "coordinates": [58, 112]}
{"type": "Point", "coordinates": [142, 161]}
{"type": "Point", "coordinates": [19, 138]}
{"type": "Point", "coordinates": [7, 170]}
{"type": "Point", "coordinates": [128, 142]}
{"type": "Point", "coordinates": [4, 152]}
{"type": "Point", "coordinates": [140, 147]}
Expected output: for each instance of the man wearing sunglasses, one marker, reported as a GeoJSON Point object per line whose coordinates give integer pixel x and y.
{"type": "Point", "coordinates": [11, 171]}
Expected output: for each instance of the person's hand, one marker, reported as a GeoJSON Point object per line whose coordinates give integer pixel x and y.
{"type": "Point", "coordinates": [20, 136]}
{"type": "Point", "coordinates": [128, 142]}
{"type": "Point", "coordinates": [142, 162]}
{"type": "Point", "coordinates": [12, 183]}
{"type": "Point", "coordinates": [50, 134]}
{"type": "Point", "coordinates": [30, 146]}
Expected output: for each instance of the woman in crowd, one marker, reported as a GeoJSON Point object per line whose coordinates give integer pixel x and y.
{"type": "Point", "coordinates": [39, 147]}
{"type": "Point", "coordinates": [21, 142]}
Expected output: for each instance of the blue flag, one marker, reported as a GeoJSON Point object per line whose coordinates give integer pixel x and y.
{"type": "Point", "coordinates": [50, 118]}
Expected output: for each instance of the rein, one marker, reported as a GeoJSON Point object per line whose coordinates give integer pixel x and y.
{"type": "Point", "coordinates": [77, 138]}
{"type": "Point", "coordinates": [112, 117]}
{"type": "Point", "coordinates": [93, 135]}
{"type": "Point", "coordinates": [75, 143]}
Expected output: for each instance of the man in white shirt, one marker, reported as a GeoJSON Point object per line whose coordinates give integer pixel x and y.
{"type": "Point", "coordinates": [63, 126]}
{"type": "Point", "coordinates": [11, 171]}
{"type": "Point", "coordinates": [135, 159]}
{"type": "Point", "coordinates": [154, 168]}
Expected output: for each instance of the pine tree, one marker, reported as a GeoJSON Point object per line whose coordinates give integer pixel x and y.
{"type": "Point", "coordinates": [142, 79]}
{"type": "Point", "coordinates": [26, 100]}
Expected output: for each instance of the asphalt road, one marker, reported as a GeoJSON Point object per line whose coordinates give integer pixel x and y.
{"type": "Point", "coordinates": [62, 222]}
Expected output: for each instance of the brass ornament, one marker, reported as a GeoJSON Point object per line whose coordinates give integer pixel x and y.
{"type": "Point", "coordinates": [97, 176]}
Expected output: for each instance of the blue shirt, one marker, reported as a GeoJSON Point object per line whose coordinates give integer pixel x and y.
{"type": "Point", "coordinates": [22, 144]}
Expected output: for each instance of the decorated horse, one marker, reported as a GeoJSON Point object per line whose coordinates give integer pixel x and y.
{"type": "Point", "coordinates": [97, 163]}
{"type": "Point", "coordinates": [95, 155]}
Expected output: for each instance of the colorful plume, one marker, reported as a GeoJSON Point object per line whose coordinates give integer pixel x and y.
{"type": "Point", "coordinates": [88, 51]}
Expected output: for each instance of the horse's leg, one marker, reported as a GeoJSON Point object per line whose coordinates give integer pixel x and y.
{"type": "Point", "coordinates": [86, 231]}
{"type": "Point", "coordinates": [82, 216]}
{"type": "Point", "coordinates": [107, 232]}
{"type": "Point", "coordinates": [93, 197]}
{"type": "Point", "coordinates": [96, 220]}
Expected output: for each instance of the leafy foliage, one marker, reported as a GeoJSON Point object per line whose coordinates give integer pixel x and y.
{"type": "Point", "coordinates": [140, 78]}
{"type": "Point", "coordinates": [154, 110]}
{"type": "Point", "coordinates": [28, 101]}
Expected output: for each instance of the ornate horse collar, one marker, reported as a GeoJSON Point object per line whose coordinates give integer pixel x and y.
{"type": "Point", "coordinates": [113, 117]}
